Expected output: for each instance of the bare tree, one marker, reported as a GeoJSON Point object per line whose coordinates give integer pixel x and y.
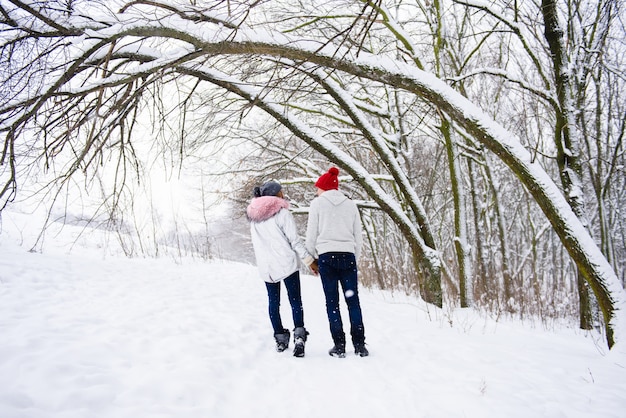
{"type": "Point", "coordinates": [79, 98]}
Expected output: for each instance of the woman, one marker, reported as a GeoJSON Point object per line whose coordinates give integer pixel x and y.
{"type": "Point", "coordinates": [334, 232]}
{"type": "Point", "coordinates": [277, 248]}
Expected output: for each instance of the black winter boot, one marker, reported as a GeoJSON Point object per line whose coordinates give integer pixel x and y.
{"type": "Point", "coordinates": [339, 349]}
{"type": "Point", "coordinates": [358, 340]}
{"type": "Point", "coordinates": [299, 338]}
{"type": "Point", "coordinates": [282, 340]}
{"type": "Point", "coordinates": [360, 350]}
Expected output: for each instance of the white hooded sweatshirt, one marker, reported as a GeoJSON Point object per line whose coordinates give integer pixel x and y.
{"type": "Point", "coordinates": [334, 225]}
{"type": "Point", "coordinates": [275, 239]}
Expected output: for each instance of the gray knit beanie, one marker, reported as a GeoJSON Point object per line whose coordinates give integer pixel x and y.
{"type": "Point", "coordinates": [271, 188]}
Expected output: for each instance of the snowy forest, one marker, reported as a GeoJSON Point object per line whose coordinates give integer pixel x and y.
{"type": "Point", "coordinates": [482, 140]}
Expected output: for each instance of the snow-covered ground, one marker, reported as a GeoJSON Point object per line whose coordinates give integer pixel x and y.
{"type": "Point", "coordinates": [86, 335]}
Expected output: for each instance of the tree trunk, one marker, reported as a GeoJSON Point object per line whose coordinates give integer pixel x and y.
{"type": "Point", "coordinates": [566, 137]}
{"type": "Point", "coordinates": [480, 279]}
{"type": "Point", "coordinates": [460, 216]}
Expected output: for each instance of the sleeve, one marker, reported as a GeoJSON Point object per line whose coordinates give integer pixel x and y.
{"type": "Point", "coordinates": [358, 232]}
{"type": "Point", "coordinates": [312, 229]}
{"type": "Point", "coordinates": [290, 230]}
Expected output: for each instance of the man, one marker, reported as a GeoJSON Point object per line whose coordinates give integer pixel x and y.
{"type": "Point", "coordinates": [334, 235]}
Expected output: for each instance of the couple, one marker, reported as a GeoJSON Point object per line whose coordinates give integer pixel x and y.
{"type": "Point", "coordinates": [333, 235]}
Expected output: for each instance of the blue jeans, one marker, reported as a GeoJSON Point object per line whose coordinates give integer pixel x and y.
{"type": "Point", "coordinates": [292, 283]}
{"type": "Point", "coordinates": [340, 268]}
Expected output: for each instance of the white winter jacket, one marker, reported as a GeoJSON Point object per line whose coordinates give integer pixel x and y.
{"type": "Point", "coordinates": [275, 239]}
{"type": "Point", "coordinates": [334, 225]}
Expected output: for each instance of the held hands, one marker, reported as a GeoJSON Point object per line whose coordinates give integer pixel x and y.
{"type": "Point", "coordinates": [314, 268]}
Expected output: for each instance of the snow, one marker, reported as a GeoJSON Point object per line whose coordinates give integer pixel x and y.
{"type": "Point", "coordinates": [85, 335]}
{"type": "Point", "coordinates": [88, 335]}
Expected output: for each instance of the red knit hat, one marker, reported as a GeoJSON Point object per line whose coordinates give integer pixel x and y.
{"type": "Point", "coordinates": [329, 180]}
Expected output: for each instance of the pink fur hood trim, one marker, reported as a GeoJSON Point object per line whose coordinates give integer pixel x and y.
{"type": "Point", "coordinates": [264, 207]}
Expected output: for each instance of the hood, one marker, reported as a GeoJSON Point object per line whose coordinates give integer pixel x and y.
{"type": "Point", "coordinates": [263, 208]}
{"type": "Point", "coordinates": [334, 196]}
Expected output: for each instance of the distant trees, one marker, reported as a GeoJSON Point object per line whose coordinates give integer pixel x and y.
{"type": "Point", "coordinates": [438, 112]}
